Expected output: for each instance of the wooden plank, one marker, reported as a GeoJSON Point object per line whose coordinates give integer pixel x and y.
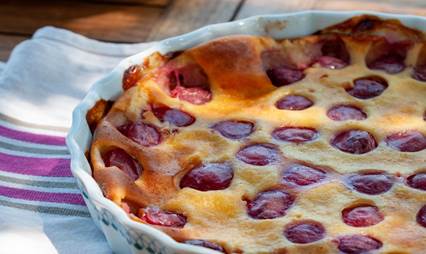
{"type": "Point", "coordinates": [255, 7]}
{"type": "Point", "coordinates": [111, 22]}
{"type": "Point", "coordinates": [187, 15]}
{"type": "Point", "coordinates": [7, 43]}
{"type": "Point", "coordinates": [147, 2]}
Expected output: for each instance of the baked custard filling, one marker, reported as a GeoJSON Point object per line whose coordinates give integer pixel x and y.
{"type": "Point", "coordinates": [247, 144]}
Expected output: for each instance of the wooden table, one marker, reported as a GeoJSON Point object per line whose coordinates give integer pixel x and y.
{"type": "Point", "coordinates": [116, 21]}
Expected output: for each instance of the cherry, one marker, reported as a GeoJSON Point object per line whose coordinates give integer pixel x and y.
{"type": "Point", "coordinates": [283, 76]}
{"type": "Point", "coordinates": [362, 216]}
{"type": "Point", "coordinates": [364, 25]}
{"type": "Point", "coordinates": [156, 216]}
{"type": "Point", "coordinates": [142, 133]}
{"type": "Point", "coordinates": [234, 129]}
{"type": "Point", "coordinates": [334, 54]}
{"type": "Point", "coordinates": [194, 95]}
{"type": "Point", "coordinates": [206, 244]}
{"type": "Point", "coordinates": [131, 76]}
{"type": "Point", "coordinates": [190, 75]}
{"type": "Point", "coordinates": [368, 87]}
{"type": "Point", "coordinates": [293, 102]}
{"type": "Point", "coordinates": [269, 204]}
{"type": "Point", "coordinates": [258, 154]}
{"type": "Point", "coordinates": [419, 70]}
{"type": "Point", "coordinates": [417, 181]}
{"type": "Point", "coordinates": [346, 112]}
{"type": "Point", "coordinates": [295, 134]}
{"type": "Point", "coordinates": [388, 57]}
{"type": "Point", "coordinates": [358, 244]}
{"type": "Point", "coordinates": [372, 183]}
{"type": "Point", "coordinates": [119, 158]}
{"type": "Point", "coordinates": [303, 232]}
{"type": "Point", "coordinates": [421, 216]}
{"type": "Point", "coordinates": [189, 83]}
{"type": "Point", "coordinates": [354, 141]}
{"type": "Point", "coordinates": [176, 117]}
{"type": "Point", "coordinates": [211, 176]}
{"type": "Point", "coordinates": [419, 73]}
{"type": "Point", "coordinates": [302, 175]}
{"type": "Point", "coordinates": [407, 141]}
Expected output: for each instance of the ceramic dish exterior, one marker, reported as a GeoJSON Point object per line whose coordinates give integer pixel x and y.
{"type": "Point", "coordinates": [123, 234]}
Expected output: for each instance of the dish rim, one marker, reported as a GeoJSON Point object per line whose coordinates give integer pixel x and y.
{"type": "Point", "coordinates": [79, 129]}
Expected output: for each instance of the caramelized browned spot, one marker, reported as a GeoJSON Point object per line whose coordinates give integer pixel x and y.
{"type": "Point", "coordinates": [97, 112]}
{"type": "Point", "coordinates": [131, 76]}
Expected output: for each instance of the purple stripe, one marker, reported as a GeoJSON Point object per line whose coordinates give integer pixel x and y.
{"type": "Point", "coordinates": [66, 198]}
{"type": "Point", "coordinates": [31, 137]}
{"type": "Point", "coordinates": [58, 167]}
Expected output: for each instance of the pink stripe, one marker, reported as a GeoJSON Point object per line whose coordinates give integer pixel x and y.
{"type": "Point", "coordinates": [67, 198]}
{"type": "Point", "coordinates": [35, 166]}
{"type": "Point", "coordinates": [31, 137]}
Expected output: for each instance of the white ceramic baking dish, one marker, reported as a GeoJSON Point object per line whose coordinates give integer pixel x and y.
{"type": "Point", "coordinates": [123, 234]}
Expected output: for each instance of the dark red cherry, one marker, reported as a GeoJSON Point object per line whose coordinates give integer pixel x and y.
{"type": "Point", "coordinates": [358, 244]}
{"type": "Point", "coordinates": [346, 112]}
{"type": "Point", "coordinates": [417, 181]}
{"type": "Point", "coordinates": [293, 102]}
{"type": "Point", "coordinates": [302, 175]}
{"type": "Point", "coordinates": [388, 57]}
{"type": "Point", "coordinates": [362, 216]}
{"type": "Point", "coordinates": [191, 75]}
{"type": "Point", "coordinates": [419, 72]}
{"type": "Point", "coordinates": [193, 95]}
{"type": "Point", "coordinates": [372, 183]}
{"type": "Point", "coordinates": [211, 176]}
{"type": "Point", "coordinates": [131, 76]}
{"type": "Point", "coordinates": [354, 141]}
{"type": "Point", "coordinates": [234, 129]}
{"type": "Point", "coordinates": [206, 244]}
{"type": "Point", "coordinates": [283, 76]}
{"type": "Point", "coordinates": [367, 87]}
{"type": "Point", "coordinates": [303, 232]}
{"type": "Point", "coordinates": [156, 216]}
{"type": "Point", "coordinates": [364, 25]}
{"type": "Point", "coordinates": [142, 133]}
{"type": "Point", "coordinates": [173, 116]}
{"type": "Point", "coordinates": [334, 53]}
{"type": "Point", "coordinates": [189, 83]}
{"type": "Point", "coordinates": [270, 204]}
{"type": "Point", "coordinates": [119, 158]}
{"type": "Point", "coordinates": [407, 141]}
{"type": "Point", "coordinates": [295, 134]}
{"type": "Point", "coordinates": [421, 216]}
{"type": "Point", "coordinates": [258, 154]}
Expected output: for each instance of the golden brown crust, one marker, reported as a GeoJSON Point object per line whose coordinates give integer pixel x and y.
{"type": "Point", "coordinates": [242, 90]}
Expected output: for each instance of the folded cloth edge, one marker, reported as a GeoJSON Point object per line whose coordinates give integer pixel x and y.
{"type": "Point", "coordinates": [90, 45]}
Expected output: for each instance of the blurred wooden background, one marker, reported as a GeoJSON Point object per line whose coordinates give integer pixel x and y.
{"type": "Point", "coordinates": [145, 20]}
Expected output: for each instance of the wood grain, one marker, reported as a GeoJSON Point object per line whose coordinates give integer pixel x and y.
{"type": "Point", "coordinates": [255, 7]}
{"type": "Point", "coordinates": [127, 21]}
{"type": "Point", "coordinates": [186, 15]}
{"type": "Point", "coordinates": [111, 22]}
{"type": "Point", "coordinates": [146, 2]}
{"type": "Point", "coordinates": [7, 43]}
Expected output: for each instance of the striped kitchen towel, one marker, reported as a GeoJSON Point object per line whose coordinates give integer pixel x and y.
{"type": "Point", "coordinates": [41, 208]}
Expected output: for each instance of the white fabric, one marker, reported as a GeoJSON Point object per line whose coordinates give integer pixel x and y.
{"type": "Point", "coordinates": [42, 82]}
{"type": "Point", "coordinates": [47, 76]}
